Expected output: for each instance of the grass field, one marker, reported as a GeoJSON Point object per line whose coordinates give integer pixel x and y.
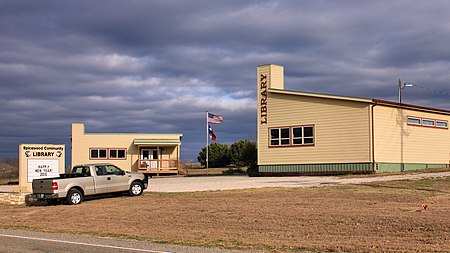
{"type": "Point", "coordinates": [376, 217]}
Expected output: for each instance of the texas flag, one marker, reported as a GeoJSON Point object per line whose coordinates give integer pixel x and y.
{"type": "Point", "coordinates": [211, 133]}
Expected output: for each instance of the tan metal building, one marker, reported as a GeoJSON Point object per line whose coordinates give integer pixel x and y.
{"type": "Point", "coordinates": [153, 154]}
{"type": "Point", "coordinates": [311, 133]}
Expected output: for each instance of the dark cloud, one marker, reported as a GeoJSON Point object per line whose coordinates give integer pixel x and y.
{"type": "Point", "coordinates": [156, 66]}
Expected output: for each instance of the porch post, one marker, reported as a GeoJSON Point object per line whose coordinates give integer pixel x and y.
{"type": "Point", "coordinates": [158, 158]}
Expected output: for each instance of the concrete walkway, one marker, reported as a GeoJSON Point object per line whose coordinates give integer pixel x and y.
{"type": "Point", "coordinates": [215, 183]}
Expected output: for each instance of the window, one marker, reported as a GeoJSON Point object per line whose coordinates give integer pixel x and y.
{"type": "Point", "coordinates": [285, 138]}
{"type": "Point", "coordinates": [413, 121]}
{"type": "Point", "coordinates": [302, 135]}
{"type": "Point", "coordinates": [441, 124]}
{"type": "Point", "coordinates": [98, 153]}
{"type": "Point", "coordinates": [107, 153]}
{"type": "Point", "coordinates": [117, 153]}
{"type": "Point", "coordinates": [434, 123]}
{"type": "Point", "coordinates": [290, 136]}
{"type": "Point", "coordinates": [279, 136]}
{"type": "Point", "coordinates": [100, 170]}
{"type": "Point", "coordinates": [81, 170]}
{"type": "Point", "coordinates": [428, 122]}
{"type": "Point", "coordinates": [113, 170]}
{"type": "Point", "coordinates": [297, 135]}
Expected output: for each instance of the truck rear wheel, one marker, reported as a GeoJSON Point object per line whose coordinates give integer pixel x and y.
{"type": "Point", "coordinates": [136, 189]}
{"type": "Point", "coordinates": [74, 197]}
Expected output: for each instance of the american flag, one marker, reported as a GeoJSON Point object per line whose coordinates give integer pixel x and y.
{"type": "Point", "coordinates": [214, 119]}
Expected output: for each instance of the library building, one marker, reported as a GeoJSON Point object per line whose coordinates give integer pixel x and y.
{"type": "Point", "coordinates": [303, 133]}
{"type": "Point", "coordinates": [151, 154]}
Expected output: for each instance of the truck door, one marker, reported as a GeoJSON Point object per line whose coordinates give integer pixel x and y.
{"type": "Point", "coordinates": [118, 181]}
{"type": "Point", "coordinates": [101, 179]}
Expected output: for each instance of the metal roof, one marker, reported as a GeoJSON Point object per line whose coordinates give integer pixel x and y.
{"type": "Point", "coordinates": [364, 100]}
{"type": "Point", "coordinates": [156, 141]}
{"type": "Point", "coordinates": [320, 95]}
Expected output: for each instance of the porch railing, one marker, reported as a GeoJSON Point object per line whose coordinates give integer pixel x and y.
{"type": "Point", "coordinates": [158, 164]}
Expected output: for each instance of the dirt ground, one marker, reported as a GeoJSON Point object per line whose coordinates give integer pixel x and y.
{"type": "Point", "coordinates": [377, 217]}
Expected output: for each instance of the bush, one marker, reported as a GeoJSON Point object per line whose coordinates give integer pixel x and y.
{"type": "Point", "coordinates": [233, 171]}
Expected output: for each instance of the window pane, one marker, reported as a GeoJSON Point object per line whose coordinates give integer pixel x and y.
{"type": "Point", "coordinates": [102, 153]}
{"type": "Point", "coordinates": [274, 142]}
{"type": "Point", "coordinates": [94, 153]}
{"type": "Point", "coordinates": [298, 141]}
{"type": "Point", "coordinates": [308, 131]}
{"type": "Point", "coordinates": [284, 141]}
{"type": "Point", "coordinates": [113, 153]}
{"type": "Point", "coordinates": [121, 153]}
{"type": "Point", "coordinates": [297, 132]}
{"type": "Point", "coordinates": [274, 133]}
{"type": "Point", "coordinates": [309, 140]}
{"type": "Point", "coordinates": [99, 170]}
{"type": "Point", "coordinates": [442, 124]}
{"type": "Point", "coordinates": [110, 169]}
{"type": "Point", "coordinates": [78, 170]}
{"type": "Point", "coordinates": [414, 121]}
{"type": "Point", "coordinates": [285, 133]}
{"type": "Point", "coordinates": [427, 122]}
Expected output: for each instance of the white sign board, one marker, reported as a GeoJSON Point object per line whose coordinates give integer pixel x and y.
{"type": "Point", "coordinates": [42, 169]}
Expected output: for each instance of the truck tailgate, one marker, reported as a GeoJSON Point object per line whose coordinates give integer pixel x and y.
{"type": "Point", "coordinates": [42, 185]}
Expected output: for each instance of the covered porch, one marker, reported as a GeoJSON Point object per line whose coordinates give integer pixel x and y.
{"type": "Point", "coordinates": [158, 156]}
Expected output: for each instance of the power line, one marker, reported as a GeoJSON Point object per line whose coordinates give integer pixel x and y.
{"type": "Point", "coordinates": [432, 90]}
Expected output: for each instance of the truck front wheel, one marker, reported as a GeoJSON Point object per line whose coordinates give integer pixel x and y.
{"type": "Point", "coordinates": [74, 197]}
{"type": "Point", "coordinates": [136, 189]}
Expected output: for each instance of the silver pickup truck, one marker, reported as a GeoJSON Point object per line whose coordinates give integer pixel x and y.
{"type": "Point", "coordinates": [89, 179]}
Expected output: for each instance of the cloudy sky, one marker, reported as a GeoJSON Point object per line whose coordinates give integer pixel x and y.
{"type": "Point", "coordinates": [157, 66]}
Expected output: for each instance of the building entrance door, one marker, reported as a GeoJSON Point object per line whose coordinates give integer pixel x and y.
{"type": "Point", "coordinates": [150, 156]}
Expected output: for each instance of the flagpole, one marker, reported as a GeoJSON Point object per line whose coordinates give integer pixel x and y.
{"type": "Point", "coordinates": [207, 143]}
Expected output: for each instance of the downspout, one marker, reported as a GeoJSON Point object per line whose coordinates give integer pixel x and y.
{"type": "Point", "coordinates": [373, 139]}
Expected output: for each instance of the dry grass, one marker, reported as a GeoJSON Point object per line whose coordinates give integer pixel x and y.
{"type": "Point", "coordinates": [376, 217]}
{"type": "Point", "coordinates": [8, 173]}
{"type": "Point", "coordinates": [383, 174]}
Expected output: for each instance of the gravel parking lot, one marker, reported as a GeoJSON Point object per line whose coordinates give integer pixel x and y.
{"type": "Point", "coordinates": [216, 183]}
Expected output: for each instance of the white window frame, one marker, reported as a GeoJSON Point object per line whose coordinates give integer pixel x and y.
{"type": "Point", "coordinates": [303, 137]}
{"type": "Point", "coordinates": [445, 124]}
{"type": "Point", "coordinates": [429, 120]}
{"type": "Point", "coordinates": [279, 139]}
{"type": "Point", "coordinates": [414, 118]}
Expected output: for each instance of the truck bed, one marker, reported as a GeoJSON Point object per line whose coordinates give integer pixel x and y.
{"type": "Point", "coordinates": [44, 185]}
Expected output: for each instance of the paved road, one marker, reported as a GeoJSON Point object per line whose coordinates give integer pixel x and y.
{"type": "Point", "coordinates": [19, 241]}
{"type": "Point", "coordinates": [214, 183]}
